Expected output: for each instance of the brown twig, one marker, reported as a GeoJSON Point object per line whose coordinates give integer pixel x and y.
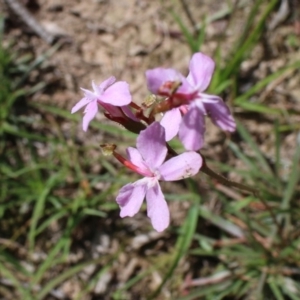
{"type": "Point", "coordinates": [189, 15]}
{"type": "Point", "coordinates": [29, 20]}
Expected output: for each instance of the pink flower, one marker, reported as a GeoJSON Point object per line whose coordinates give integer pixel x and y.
{"type": "Point", "coordinates": [188, 120]}
{"type": "Point", "coordinates": [148, 160]}
{"type": "Point", "coordinates": [108, 94]}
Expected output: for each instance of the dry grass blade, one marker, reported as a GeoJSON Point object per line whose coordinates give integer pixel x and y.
{"type": "Point", "coordinates": [29, 20]}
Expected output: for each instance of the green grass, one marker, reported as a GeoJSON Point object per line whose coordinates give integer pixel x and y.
{"type": "Point", "coordinates": [266, 255]}
{"type": "Point", "coordinates": [246, 249]}
{"type": "Point", "coordinates": [29, 199]}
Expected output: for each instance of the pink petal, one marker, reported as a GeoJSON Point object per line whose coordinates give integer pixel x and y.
{"type": "Point", "coordinates": [117, 94]}
{"type": "Point", "coordinates": [201, 70]}
{"type": "Point", "coordinates": [135, 157]}
{"type": "Point", "coordinates": [157, 208]}
{"type": "Point", "coordinates": [88, 94]}
{"type": "Point", "coordinates": [98, 91]}
{"type": "Point", "coordinates": [119, 111]}
{"type": "Point", "coordinates": [89, 114]}
{"type": "Point", "coordinates": [220, 114]}
{"type": "Point", "coordinates": [182, 166]}
{"type": "Point", "coordinates": [106, 83]}
{"type": "Point", "coordinates": [156, 78]}
{"type": "Point", "coordinates": [171, 121]}
{"type": "Point", "coordinates": [83, 102]}
{"type": "Point", "coordinates": [151, 143]}
{"type": "Point", "coordinates": [192, 128]}
{"type": "Point", "coordinates": [127, 111]}
{"type": "Point", "coordinates": [130, 199]}
{"type": "Point", "coordinates": [114, 111]}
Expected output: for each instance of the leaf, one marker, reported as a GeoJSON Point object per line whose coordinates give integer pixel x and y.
{"type": "Point", "coordinates": [39, 207]}
{"type": "Point", "coordinates": [220, 222]}
{"type": "Point", "coordinates": [65, 275]}
{"type": "Point", "coordinates": [183, 243]}
{"type": "Point", "coordinates": [259, 155]}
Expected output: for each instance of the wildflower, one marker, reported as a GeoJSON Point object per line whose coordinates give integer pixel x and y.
{"type": "Point", "coordinates": [147, 159]}
{"type": "Point", "coordinates": [161, 81]}
{"type": "Point", "coordinates": [109, 94]}
{"type": "Point", "coordinates": [187, 118]}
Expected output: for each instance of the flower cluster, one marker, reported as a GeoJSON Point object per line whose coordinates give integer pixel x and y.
{"type": "Point", "coordinates": [184, 107]}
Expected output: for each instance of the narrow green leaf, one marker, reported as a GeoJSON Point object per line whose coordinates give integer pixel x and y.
{"type": "Point", "coordinates": [36, 63]}
{"type": "Point", "coordinates": [239, 153]}
{"type": "Point", "coordinates": [201, 36]}
{"type": "Point", "coordinates": [8, 128]}
{"type": "Point", "coordinates": [291, 288]}
{"type": "Point", "coordinates": [23, 292]}
{"type": "Point", "coordinates": [120, 292]}
{"type": "Point", "coordinates": [90, 285]}
{"type": "Point", "coordinates": [94, 212]}
{"type": "Point", "coordinates": [260, 108]}
{"type": "Point", "coordinates": [187, 34]}
{"type": "Point", "coordinates": [206, 291]}
{"type": "Point", "coordinates": [290, 189]}
{"type": "Point", "coordinates": [39, 208]}
{"type": "Point", "coordinates": [275, 290]}
{"type": "Point", "coordinates": [261, 84]}
{"type": "Point", "coordinates": [63, 276]}
{"type": "Point", "coordinates": [246, 46]}
{"type": "Point", "coordinates": [183, 243]}
{"type": "Point", "coordinates": [293, 179]}
{"type": "Point", "coordinates": [49, 261]}
{"type": "Point", "coordinates": [113, 129]}
{"type": "Point", "coordinates": [53, 217]}
{"type": "Point", "coordinates": [8, 258]}
{"type": "Point", "coordinates": [220, 222]}
{"type": "Point", "coordinates": [277, 155]}
{"type": "Point", "coordinates": [259, 155]}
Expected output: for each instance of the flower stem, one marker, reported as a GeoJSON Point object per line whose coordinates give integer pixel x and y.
{"type": "Point", "coordinates": [206, 170]}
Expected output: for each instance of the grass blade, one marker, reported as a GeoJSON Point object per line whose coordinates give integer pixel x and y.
{"type": "Point", "coordinates": [183, 243]}
{"type": "Point", "coordinates": [39, 208]}
{"type": "Point", "coordinates": [259, 155]}
{"type": "Point", "coordinates": [220, 222]}
{"type": "Point", "coordinates": [65, 275]}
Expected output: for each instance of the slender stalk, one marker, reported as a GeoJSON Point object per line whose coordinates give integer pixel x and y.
{"type": "Point", "coordinates": [206, 170]}
{"type": "Point", "coordinates": [189, 15]}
